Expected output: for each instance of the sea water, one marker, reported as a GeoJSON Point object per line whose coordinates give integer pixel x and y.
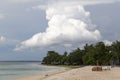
{"type": "Point", "coordinates": [12, 70]}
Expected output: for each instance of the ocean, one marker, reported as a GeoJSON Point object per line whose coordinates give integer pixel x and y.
{"type": "Point", "coordinates": [13, 70]}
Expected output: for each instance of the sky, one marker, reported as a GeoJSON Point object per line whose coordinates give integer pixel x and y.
{"type": "Point", "coordinates": [30, 28]}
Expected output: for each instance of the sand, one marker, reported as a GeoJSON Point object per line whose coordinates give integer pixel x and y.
{"type": "Point", "coordinates": [44, 75]}
{"type": "Point", "coordinates": [84, 73]}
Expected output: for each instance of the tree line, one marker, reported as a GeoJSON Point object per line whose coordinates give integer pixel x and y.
{"type": "Point", "coordinates": [93, 54]}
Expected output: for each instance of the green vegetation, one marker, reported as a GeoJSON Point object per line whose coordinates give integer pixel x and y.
{"type": "Point", "coordinates": [98, 54]}
{"type": "Point", "coordinates": [65, 66]}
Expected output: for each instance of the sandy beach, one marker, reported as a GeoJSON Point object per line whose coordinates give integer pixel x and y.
{"type": "Point", "coordinates": [83, 73]}
{"type": "Point", "coordinates": [44, 75]}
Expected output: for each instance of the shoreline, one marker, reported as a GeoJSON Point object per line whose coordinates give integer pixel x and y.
{"type": "Point", "coordinates": [83, 73]}
{"type": "Point", "coordinates": [44, 75]}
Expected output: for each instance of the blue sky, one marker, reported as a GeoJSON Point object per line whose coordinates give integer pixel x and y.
{"type": "Point", "coordinates": [29, 28]}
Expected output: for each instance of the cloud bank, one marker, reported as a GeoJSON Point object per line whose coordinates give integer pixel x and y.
{"type": "Point", "coordinates": [67, 25]}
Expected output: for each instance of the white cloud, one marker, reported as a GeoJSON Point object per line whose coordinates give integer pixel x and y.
{"type": "Point", "coordinates": [2, 39]}
{"type": "Point", "coordinates": [107, 42]}
{"type": "Point", "coordinates": [67, 24]}
{"type": "Point", "coordinates": [7, 41]}
{"type": "Point", "coordinates": [71, 2]}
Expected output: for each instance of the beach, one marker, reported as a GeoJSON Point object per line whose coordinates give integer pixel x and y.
{"type": "Point", "coordinates": [83, 73]}
{"type": "Point", "coordinates": [44, 75]}
{"type": "Point", "coordinates": [13, 70]}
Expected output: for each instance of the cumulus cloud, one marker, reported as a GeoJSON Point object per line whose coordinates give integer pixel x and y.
{"type": "Point", "coordinates": [67, 24]}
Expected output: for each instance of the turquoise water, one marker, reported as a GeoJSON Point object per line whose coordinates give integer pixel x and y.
{"type": "Point", "coordinates": [12, 70]}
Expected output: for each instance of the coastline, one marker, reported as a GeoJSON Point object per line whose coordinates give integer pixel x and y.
{"type": "Point", "coordinates": [44, 75]}
{"type": "Point", "coordinates": [83, 73]}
